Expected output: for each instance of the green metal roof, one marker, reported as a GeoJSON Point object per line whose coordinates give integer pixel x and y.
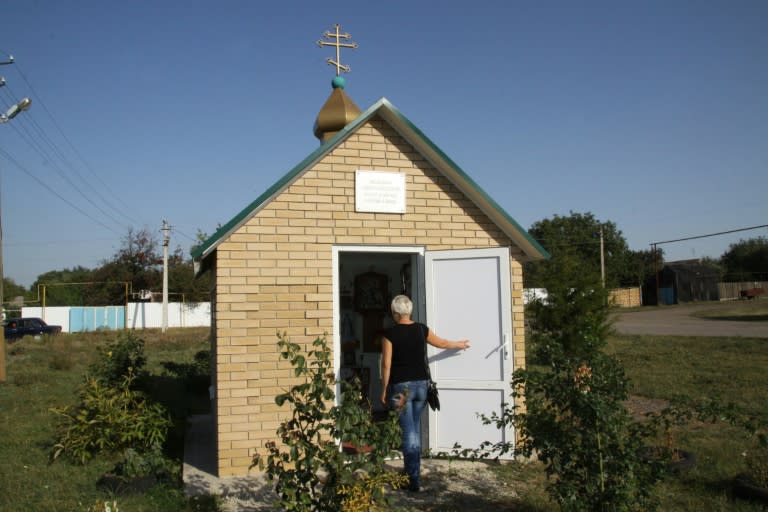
{"type": "Point", "coordinates": [421, 142]}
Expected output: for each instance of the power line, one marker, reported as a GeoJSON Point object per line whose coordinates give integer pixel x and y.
{"type": "Point", "coordinates": [51, 243]}
{"type": "Point", "coordinates": [711, 234]}
{"type": "Point", "coordinates": [24, 133]}
{"type": "Point", "coordinates": [46, 156]}
{"type": "Point", "coordinates": [58, 152]}
{"type": "Point", "coordinates": [39, 100]}
{"type": "Point", "coordinates": [176, 230]}
{"type": "Point", "coordinates": [8, 157]}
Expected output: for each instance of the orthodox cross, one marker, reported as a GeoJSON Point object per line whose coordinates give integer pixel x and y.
{"type": "Point", "coordinates": [338, 36]}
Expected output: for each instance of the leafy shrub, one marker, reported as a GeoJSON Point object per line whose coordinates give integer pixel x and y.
{"type": "Point", "coordinates": [109, 418]}
{"type": "Point", "coordinates": [574, 419]}
{"type": "Point", "coordinates": [112, 415]}
{"type": "Point", "coordinates": [118, 358]}
{"type": "Point", "coordinates": [359, 496]}
{"type": "Point", "coordinates": [137, 463]}
{"type": "Point", "coordinates": [312, 473]}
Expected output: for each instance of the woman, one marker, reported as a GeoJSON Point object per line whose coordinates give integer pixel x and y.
{"type": "Point", "coordinates": [404, 378]}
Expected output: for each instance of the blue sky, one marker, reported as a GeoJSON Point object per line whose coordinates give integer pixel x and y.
{"type": "Point", "coordinates": [650, 114]}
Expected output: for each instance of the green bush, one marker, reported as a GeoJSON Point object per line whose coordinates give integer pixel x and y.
{"type": "Point", "coordinates": [119, 357]}
{"type": "Point", "coordinates": [109, 419]}
{"type": "Point", "coordinates": [137, 463]}
{"type": "Point", "coordinates": [577, 425]}
{"type": "Point", "coordinates": [112, 415]}
{"type": "Point", "coordinates": [574, 419]}
{"type": "Point", "coordinates": [312, 473]}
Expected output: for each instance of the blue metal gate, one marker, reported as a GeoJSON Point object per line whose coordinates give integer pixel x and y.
{"type": "Point", "coordinates": [93, 318]}
{"type": "Point", "coordinates": [667, 296]}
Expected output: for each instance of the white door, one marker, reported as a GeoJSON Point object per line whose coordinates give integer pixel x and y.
{"type": "Point", "coordinates": [468, 297]}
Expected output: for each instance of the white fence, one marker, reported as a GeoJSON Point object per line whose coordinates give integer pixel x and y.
{"type": "Point", "coordinates": [141, 315]}
{"type": "Point", "coordinates": [147, 315]}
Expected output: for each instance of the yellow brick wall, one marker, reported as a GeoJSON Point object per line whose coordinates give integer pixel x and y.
{"type": "Point", "coordinates": [274, 273]}
{"type": "Point", "coordinates": [625, 297]}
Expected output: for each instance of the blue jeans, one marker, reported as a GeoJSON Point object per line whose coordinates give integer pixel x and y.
{"type": "Point", "coordinates": [415, 393]}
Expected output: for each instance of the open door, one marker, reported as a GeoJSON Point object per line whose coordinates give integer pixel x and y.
{"type": "Point", "coordinates": [468, 297]}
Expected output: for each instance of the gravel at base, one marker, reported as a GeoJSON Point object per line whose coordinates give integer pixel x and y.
{"type": "Point", "coordinates": [456, 486]}
{"type": "Point", "coordinates": [448, 486]}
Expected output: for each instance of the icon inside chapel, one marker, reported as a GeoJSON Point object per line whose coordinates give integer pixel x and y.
{"type": "Point", "coordinates": [371, 293]}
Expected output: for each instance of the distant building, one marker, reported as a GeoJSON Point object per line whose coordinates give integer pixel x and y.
{"type": "Point", "coordinates": [682, 281]}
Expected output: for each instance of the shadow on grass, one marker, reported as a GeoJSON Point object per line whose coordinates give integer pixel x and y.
{"type": "Point", "coordinates": [700, 492]}
{"type": "Point", "coordinates": [740, 318]}
{"type": "Point", "coordinates": [183, 391]}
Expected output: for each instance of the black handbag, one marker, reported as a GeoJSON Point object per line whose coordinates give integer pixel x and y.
{"type": "Point", "coordinates": [433, 397]}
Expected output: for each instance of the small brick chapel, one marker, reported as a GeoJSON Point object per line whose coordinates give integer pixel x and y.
{"type": "Point", "coordinates": [377, 210]}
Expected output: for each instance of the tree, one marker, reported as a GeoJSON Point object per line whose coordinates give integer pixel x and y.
{"type": "Point", "coordinates": [181, 279]}
{"type": "Point", "coordinates": [576, 238]}
{"type": "Point", "coordinates": [66, 287]}
{"type": "Point", "coordinates": [746, 260]}
{"type": "Point", "coordinates": [643, 265]}
{"type": "Point", "coordinates": [136, 262]}
{"type": "Point", "coordinates": [139, 257]}
{"type": "Point", "coordinates": [11, 291]}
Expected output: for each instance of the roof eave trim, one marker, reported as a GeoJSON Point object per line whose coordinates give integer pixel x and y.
{"type": "Point", "coordinates": [467, 185]}
{"type": "Point", "coordinates": [532, 249]}
{"type": "Point", "coordinates": [205, 249]}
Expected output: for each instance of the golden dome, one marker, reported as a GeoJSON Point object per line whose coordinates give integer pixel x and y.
{"type": "Point", "coordinates": [338, 111]}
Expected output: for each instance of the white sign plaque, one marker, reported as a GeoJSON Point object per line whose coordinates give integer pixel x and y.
{"type": "Point", "coordinates": [379, 192]}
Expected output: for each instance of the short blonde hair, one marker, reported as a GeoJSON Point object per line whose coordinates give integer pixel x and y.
{"type": "Point", "coordinates": [401, 306]}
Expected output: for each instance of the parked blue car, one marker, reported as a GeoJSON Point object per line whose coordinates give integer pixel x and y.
{"type": "Point", "coordinates": [16, 328]}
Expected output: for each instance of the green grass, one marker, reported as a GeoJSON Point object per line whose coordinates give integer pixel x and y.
{"type": "Point", "coordinates": [755, 310]}
{"type": "Point", "coordinates": [665, 366]}
{"type": "Point", "coordinates": [46, 373]}
{"type": "Point", "coordinates": [731, 369]}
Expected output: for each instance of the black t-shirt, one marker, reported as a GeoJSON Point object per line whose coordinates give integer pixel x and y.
{"type": "Point", "coordinates": [408, 350]}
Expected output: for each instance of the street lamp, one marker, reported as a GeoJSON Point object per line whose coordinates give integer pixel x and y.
{"type": "Point", "coordinates": [4, 118]}
{"type": "Point", "coordinates": [15, 110]}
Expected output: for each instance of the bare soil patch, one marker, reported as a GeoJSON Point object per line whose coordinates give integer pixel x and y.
{"type": "Point", "coordinates": [640, 406]}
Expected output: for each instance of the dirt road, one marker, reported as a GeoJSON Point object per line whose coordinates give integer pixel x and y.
{"type": "Point", "coordinates": [679, 321]}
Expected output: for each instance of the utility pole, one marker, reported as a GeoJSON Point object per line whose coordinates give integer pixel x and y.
{"type": "Point", "coordinates": [166, 240]}
{"type": "Point", "coordinates": [656, 271]}
{"type": "Point", "coordinates": [602, 256]}
{"type": "Point", "coordinates": [4, 118]}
